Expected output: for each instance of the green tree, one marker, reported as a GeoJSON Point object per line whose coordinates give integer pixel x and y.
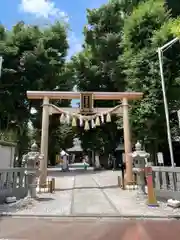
{"type": "Point", "coordinates": [95, 67]}
{"type": "Point", "coordinates": [147, 28]}
{"type": "Point", "coordinates": [34, 59]}
{"type": "Point", "coordinates": [56, 75]}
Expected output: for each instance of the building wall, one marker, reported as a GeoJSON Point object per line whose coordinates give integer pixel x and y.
{"type": "Point", "coordinates": [7, 152]}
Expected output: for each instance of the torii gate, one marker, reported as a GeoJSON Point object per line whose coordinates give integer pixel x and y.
{"type": "Point", "coordinates": [49, 109]}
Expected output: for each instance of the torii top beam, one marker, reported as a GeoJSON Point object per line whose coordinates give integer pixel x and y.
{"type": "Point", "coordinates": [76, 95]}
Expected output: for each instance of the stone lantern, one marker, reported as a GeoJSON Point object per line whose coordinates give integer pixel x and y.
{"type": "Point", "coordinates": [31, 161]}
{"type": "Point", "coordinates": [139, 159]}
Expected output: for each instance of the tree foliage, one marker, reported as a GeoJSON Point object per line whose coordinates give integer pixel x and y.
{"type": "Point", "coordinates": [34, 59]}
{"type": "Point", "coordinates": [147, 28]}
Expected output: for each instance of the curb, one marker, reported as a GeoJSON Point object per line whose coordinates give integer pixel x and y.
{"type": "Point", "coordinates": [9, 214]}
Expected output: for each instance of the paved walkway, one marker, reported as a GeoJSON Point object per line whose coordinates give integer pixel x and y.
{"type": "Point", "coordinates": [91, 194]}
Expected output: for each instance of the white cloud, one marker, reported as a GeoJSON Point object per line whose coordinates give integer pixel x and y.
{"type": "Point", "coordinates": [42, 8]}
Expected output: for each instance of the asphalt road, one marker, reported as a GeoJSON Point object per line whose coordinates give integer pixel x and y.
{"type": "Point", "coordinates": [88, 229]}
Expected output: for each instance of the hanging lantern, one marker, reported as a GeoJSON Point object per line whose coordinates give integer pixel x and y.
{"type": "Point", "coordinates": [86, 126]}
{"type": "Point", "coordinates": [62, 118]}
{"type": "Point", "coordinates": [102, 118]}
{"type": "Point", "coordinates": [93, 125]}
{"type": "Point", "coordinates": [74, 122]}
{"type": "Point", "coordinates": [108, 118]}
{"type": "Point", "coordinates": [81, 121]}
{"type": "Point", "coordinates": [68, 119]}
{"type": "Point", "coordinates": [97, 122]}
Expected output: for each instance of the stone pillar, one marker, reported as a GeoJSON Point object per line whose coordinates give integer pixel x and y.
{"type": "Point", "coordinates": [127, 143]}
{"type": "Point", "coordinates": [139, 157]}
{"type": "Point", "coordinates": [32, 184]}
{"type": "Point", "coordinates": [44, 141]}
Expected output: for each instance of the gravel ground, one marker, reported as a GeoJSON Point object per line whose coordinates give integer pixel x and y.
{"type": "Point", "coordinates": [20, 205]}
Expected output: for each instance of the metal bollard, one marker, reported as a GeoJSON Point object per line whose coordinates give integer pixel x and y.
{"type": "Point", "coordinates": [135, 178]}
{"type": "Point", "coordinates": [53, 184]}
{"type": "Point", "coordinates": [50, 186]}
{"type": "Point", "coordinates": [119, 181]}
{"type": "Point", "coordinates": [123, 182]}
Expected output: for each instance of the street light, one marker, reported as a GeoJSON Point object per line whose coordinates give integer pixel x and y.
{"type": "Point", "coordinates": [160, 55]}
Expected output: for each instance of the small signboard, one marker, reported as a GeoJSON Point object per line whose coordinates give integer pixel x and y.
{"type": "Point", "coordinates": [160, 158]}
{"type": "Point", "coordinates": [86, 104]}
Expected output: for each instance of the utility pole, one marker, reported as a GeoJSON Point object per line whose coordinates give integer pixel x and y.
{"type": "Point", "coordinates": [160, 55]}
{"type": "Point", "coordinates": [1, 61]}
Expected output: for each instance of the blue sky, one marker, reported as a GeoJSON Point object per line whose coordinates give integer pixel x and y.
{"type": "Point", "coordinates": [45, 11]}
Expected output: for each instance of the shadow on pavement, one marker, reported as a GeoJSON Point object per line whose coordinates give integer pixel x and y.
{"type": "Point", "coordinates": [58, 173]}
{"type": "Point", "coordinates": [44, 199]}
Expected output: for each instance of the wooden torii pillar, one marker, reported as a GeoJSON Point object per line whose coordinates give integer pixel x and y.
{"type": "Point", "coordinates": [44, 141]}
{"type": "Point", "coordinates": [48, 95]}
{"type": "Point", "coordinates": [127, 142]}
